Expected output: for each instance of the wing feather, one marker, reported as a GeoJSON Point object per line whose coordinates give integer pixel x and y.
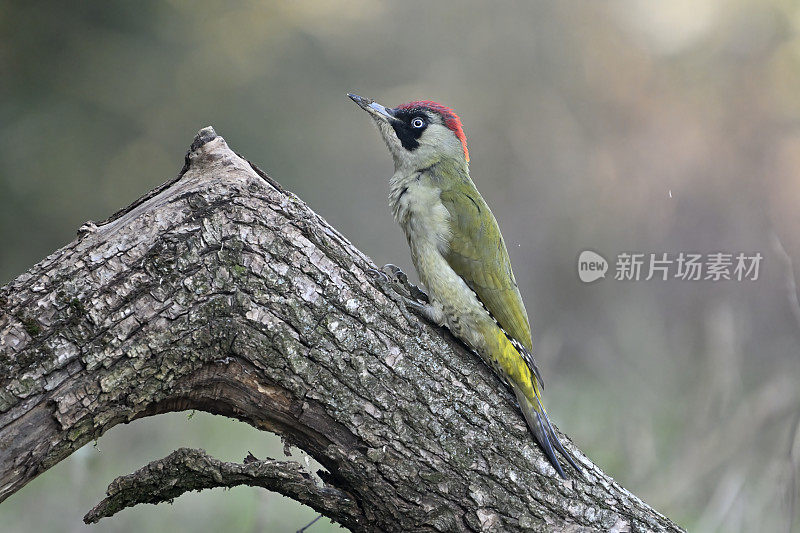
{"type": "Point", "coordinates": [478, 254]}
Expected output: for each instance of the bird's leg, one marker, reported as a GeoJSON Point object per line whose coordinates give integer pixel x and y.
{"type": "Point", "coordinates": [405, 294]}
{"type": "Point", "coordinates": [400, 278]}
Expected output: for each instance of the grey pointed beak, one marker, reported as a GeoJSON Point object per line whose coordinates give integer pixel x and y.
{"type": "Point", "coordinates": [372, 107]}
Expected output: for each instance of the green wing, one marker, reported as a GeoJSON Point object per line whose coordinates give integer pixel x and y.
{"type": "Point", "coordinates": [478, 254]}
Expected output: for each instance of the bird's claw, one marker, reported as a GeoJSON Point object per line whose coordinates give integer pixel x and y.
{"type": "Point", "coordinates": [410, 295]}
{"type": "Point", "coordinates": [395, 274]}
{"type": "Point", "coordinates": [378, 275]}
{"type": "Point", "coordinates": [399, 280]}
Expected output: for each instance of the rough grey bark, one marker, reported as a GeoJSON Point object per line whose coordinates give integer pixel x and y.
{"type": "Point", "coordinates": [222, 292]}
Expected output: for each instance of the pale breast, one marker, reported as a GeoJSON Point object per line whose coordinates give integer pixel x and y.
{"type": "Point", "coordinates": [417, 206]}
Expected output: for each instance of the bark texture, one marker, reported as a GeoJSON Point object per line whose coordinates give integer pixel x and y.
{"type": "Point", "coordinates": [220, 291]}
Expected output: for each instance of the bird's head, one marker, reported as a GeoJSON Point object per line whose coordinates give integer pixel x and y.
{"type": "Point", "coordinates": [418, 134]}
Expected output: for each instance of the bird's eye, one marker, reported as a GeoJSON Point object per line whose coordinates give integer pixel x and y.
{"type": "Point", "coordinates": [417, 122]}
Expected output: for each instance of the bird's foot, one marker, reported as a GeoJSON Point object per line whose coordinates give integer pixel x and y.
{"type": "Point", "coordinates": [399, 280]}
{"type": "Point", "coordinates": [405, 294]}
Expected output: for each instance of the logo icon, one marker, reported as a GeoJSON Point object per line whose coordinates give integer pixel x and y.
{"type": "Point", "coordinates": [591, 266]}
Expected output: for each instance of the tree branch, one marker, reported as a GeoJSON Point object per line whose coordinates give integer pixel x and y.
{"type": "Point", "coordinates": [186, 470]}
{"type": "Point", "coordinates": [219, 291]}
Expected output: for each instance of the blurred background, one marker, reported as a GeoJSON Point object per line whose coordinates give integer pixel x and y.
{"type": "Point", "coordinates": [623, 125]}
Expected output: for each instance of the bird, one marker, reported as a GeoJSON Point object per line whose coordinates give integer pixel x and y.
{"type": "Point", "coordinates": [459, 253]}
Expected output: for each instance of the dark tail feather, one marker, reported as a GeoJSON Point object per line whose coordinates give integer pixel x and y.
{"type": "Point", "coordinates": [557, 443]}
{"type": "Point", "coordinates": [540, 426]}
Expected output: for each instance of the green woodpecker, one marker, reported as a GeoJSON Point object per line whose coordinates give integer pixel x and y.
{"type": "Point", "coordinates": [459, 253]}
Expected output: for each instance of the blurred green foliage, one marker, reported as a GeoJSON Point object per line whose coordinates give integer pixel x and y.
{"type": "Point", "coordinates": [625, 125]}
